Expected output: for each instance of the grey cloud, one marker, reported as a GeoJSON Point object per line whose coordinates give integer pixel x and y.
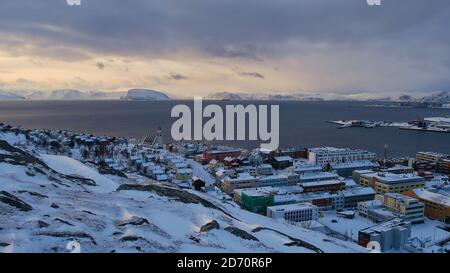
{"type": "Point", "coordinates": [414, 32]}
{"type": "Point", "coordinates": [252, 75]}
{"type": "Point", "coordinates": [177, 77]}
{"type": "Point", "coordinates": [100, 65]}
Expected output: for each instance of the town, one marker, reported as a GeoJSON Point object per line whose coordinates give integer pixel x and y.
{"type": "Point", "coordinates": [353, 195]}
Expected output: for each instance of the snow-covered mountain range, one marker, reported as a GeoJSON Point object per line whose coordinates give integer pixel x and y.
{"type": "Point", "coordinates": [260, 96]}
{"type": "Point", "coordinates": [63, 94]}
{"type": "Point", "coordinates": [72, 94]}
{"type": "Point", "coordinates": [152, 95]}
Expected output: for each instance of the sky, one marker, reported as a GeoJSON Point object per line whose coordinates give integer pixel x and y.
{"type": "Point", "coordinates": [197, 47]}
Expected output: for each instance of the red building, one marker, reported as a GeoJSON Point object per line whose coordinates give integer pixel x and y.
{"type": "Point", "coordinates": [220, 155]}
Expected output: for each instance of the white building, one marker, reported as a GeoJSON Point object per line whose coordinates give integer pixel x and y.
{"type": "Point", "coordinates": [365, 207]}
{"type": "Point", "coordinates": [299, 212]}
{"type": "Point", "coordinates": [332, 155]}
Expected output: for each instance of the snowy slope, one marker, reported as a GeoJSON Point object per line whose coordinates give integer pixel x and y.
{"type": "Point", "coordinates": [69, 166]}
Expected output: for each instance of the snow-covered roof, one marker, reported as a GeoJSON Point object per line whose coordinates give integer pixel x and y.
{"type": "Point", "coordinates": [386, 226]}
{"type": "Point", "coordinates": [184, 171]}
{"type": "Point", "coordinates": [432, 197]}
{"type": "Point", "coordinates": [322, 183]}
{"type": "Point", "coordinates": [372, 203]}
{"type": "Point", "coordinates": [292, 207]}
{"type": "Point", "coordinates": [321, 175]}
{"type": "Point", "coordinates": [265, 166]}
{"type": "Point", "coordinates": [392, 177]}
{"type": "Point", "coordinates": [354, 164]}
{"type": "Point", "coordinates": [273, 177]}
{"type": "Point", "coordinates": [283, 158]}
{"type": "Point", "coordinates": [264, 191]}
{"type": "Point", "coordinates": [307, 168]}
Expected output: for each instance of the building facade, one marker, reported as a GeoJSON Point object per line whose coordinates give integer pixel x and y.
{"type": "Point", "coordinates": [388, 182]}
{"type": "Point", "coordinates": [406, 207]}
{"type": "Point", "coordinates": [300, 212]}
{"type": "Point", "coordinates": [332, 155]}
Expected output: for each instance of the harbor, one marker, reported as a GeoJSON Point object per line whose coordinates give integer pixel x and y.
{"type": "Point", "coordinates": [432, 124]}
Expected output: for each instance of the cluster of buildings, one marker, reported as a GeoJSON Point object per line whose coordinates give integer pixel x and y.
{"type": "Point", "coordinates": [389, 206]}
{"type": "Point", "coordinates": [295, 184]}
{"type": "Point", "coordinates": [300, 188]}
{"type": "Point", "coordinates": [298, 184]}
{"type": "Point", "coordinates": [431, 161]}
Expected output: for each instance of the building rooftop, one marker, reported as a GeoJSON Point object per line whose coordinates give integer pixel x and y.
{"type": "Point", "coordinates": [211, 152]}
{"type": "Point", "coordinates": [321, 175]}
{"type": "Point", "coordinates": [184, 171]}
{"type": "Point", "coordinates": [433, 197]}
{"type": "Point", "coordinates": [392, 177]}
{"type": "Point", "coordinates": [386, 226]}
{"type": "Point", "coordinates": [273, 177]}
{"type": "Point", "coordinates": [335, 150]}
{"type": "Point", "coordinates": [399, 196]}
{"type": "Point", "coordinates": [283, 158]}
{"type": "Point", "coordinates": [373, 203]}
{"type": "Point", "coordinates": [433, 154]}
{"type": "Point", "coordinates": [264, 191]}
{"type": "Point", "coordinates": [384, 212]}
{"type": "Point", "coordinates": [307, 168]}
{"type": "Point", "coordinates": [354, 164]}
{"type": "Point", "coordinates": [243, 177]}
{"type": "Point", "coordinates": [322, 183]}
{"type": "Point", "coordinates": [302, 197]}
{"type": "Point", "coordinates": [264, 166]}
{"type": "Point", "coordinates": [292, 207]}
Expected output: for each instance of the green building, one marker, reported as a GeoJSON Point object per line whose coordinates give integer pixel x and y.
{"type": "Point", "coordinates": [257, 203]}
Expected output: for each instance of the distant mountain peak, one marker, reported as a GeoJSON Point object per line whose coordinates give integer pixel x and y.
{"type": "Point", "coordinates": [146, 95]}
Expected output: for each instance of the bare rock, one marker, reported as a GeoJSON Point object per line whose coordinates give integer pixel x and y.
{"type": "Point", "coordinates": [9, 199]}
{"type": "Point", "coordinates": [210, 226]}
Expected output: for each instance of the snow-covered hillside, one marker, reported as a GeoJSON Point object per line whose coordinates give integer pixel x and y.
{"type": "Point", "coordinates": [50, 201]}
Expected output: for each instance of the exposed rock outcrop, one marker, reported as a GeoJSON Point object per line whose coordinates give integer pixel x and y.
{"type": "Point", "coordinates": [11, 200]}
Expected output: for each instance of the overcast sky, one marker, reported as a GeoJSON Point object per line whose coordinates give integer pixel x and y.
{"type": "Point", "coordinates": [188, 47]}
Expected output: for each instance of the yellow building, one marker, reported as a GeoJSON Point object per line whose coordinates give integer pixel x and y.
{"type": "Point", "coordinates": [390, 182]}
{"type": "Point", "coordinates": [183, 174]}
{"type": "Point", "coordinates": [444, 166]}
{"type": "Point", "coordinates": [241, 182]}
{"type": "Point", "coordinates": [406, 207]}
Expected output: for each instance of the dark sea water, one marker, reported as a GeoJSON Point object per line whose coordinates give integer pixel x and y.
{"type": "Point", "coordinates": [301, 123]}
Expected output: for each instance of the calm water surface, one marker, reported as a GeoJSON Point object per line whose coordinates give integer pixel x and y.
{"type": "Point", "coordinates": [301, 123]}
